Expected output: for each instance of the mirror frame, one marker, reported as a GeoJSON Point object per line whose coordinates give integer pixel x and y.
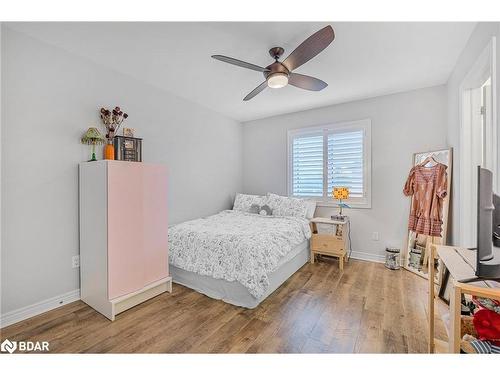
{"type": "Point", "coordinates": [447, 159]}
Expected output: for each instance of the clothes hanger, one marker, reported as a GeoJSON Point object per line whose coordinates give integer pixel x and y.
{"type": "Point", "coordinates": [428, 160]}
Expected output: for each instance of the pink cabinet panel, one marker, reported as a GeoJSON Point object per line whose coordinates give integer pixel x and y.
{"type": "Point", "coordinates": [123, 234]}
{"type": "Point", "coordinates": [137, 226]}
{"type": "Point", "coordinates": [126, 271]}
{"type": "Point", "coordinates": [155, 222]}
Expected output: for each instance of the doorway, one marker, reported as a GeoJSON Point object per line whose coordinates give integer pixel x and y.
{"type": "Point", "coordinates": [478, 137]}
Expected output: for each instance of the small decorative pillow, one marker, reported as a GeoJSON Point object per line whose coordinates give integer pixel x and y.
{"type": "Point", "coordinates": [285, 206]}
{"type": "Point", "coordinates": [243, 202]}
{"type": "Point", "coordinates": [254, 209]}
{"type": "Point", "coordinates": [264, 210]}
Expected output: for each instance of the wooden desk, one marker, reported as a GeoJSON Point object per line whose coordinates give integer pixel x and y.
{"type": "Point", "coordinates": [461, 263]}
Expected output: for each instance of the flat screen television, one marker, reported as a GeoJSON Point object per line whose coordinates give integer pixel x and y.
{"type": "Point", "coordinates": [488, 227]}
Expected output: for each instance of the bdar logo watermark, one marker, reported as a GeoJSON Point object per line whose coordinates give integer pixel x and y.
{"type": "Point", "coordinates": [24, 346]}
{"type": "Point", "coordinates": [8, 346]}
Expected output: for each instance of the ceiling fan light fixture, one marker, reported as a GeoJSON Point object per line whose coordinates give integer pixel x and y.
{"type": "Point", "coordinates": [281, 73]}
{"type": "Point", "coordinates": [277, 80]}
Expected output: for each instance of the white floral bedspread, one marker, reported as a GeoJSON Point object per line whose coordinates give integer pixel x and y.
{"type": "Point", "coordinates": [235, 245]}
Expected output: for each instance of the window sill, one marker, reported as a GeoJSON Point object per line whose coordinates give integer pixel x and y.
{"type": "Point", "coordinates": [331, 204]}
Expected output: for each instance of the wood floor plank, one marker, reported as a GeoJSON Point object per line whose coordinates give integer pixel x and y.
{"type": "Point", "coordinates": [369, 338]}
{"type": "Point", "coordinates": [415, 306]}
{"type": "Point", "coordinates": [393, 318]}
{"type": "Point", "coordinates": [349, 312]}
{"type": "Point", "coordinates": [221, 339]}
{"type": "Point", "coordinates": [366, 308]}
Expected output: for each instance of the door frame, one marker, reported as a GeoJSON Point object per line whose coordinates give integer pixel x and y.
{"type": "Point", "coordinates": [484, 67]}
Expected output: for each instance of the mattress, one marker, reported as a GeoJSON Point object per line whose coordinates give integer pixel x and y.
{"type": "Point", "coordinates": [234, 292]}
{"type": "Point", "coordinates": [236, 246]}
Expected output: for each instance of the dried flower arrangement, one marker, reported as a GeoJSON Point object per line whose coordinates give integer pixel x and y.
{"type": "Point", "coordinates": [112, 120]}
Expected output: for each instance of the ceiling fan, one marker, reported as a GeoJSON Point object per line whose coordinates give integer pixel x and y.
{"type": "Point", "coordinates": [279, 74]}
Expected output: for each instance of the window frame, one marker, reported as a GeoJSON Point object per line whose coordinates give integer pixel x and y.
{"type": "Point", "coordinates": [338, 127]}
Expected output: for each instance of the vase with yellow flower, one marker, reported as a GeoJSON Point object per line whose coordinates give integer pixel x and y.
{"type": "Point", "coordinates": [340, 193]}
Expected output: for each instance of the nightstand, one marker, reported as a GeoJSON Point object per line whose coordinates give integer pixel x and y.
{"type": "Point", "coordinates": [332, 242]}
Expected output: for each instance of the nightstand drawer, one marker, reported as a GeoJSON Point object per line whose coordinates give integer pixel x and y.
{"type": "Point", "coordinates": [326, 243]}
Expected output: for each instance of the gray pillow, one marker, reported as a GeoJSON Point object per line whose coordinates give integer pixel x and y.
{"type": "Point", "coordinates": [254, 209]}
{"type": "Point", "coordinates": [263, 210]}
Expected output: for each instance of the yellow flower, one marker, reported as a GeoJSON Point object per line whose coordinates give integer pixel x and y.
{"type": "Point", "coordinates": [340, 192]}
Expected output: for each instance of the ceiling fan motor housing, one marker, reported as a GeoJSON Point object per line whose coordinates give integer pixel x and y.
{"type": "Point", "coordinates": [274, 68]}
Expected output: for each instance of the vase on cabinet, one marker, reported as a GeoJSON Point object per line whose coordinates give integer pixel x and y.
{"type": "Point", "coordinates": [109, 150]}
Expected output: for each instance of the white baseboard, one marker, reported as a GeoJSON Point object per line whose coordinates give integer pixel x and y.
{"type": "Point", "coordinates": [38, 308]}
{"type": "Point", "coordinates": [368, 256]}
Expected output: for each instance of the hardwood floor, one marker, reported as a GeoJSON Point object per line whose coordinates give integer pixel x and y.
{"type": "Point", "coordinates": [365, 309]}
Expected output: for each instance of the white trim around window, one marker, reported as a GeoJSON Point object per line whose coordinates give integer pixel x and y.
{"type": "Point", "coordinates": [314, 147]}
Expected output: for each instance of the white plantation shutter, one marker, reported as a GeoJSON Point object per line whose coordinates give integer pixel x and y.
{"type": "Point", "coordinates": [307, 166]}
{"type": "Point", "coordinates": [323, 157]}
{"type": "Point", "coordinates": [345, 161]}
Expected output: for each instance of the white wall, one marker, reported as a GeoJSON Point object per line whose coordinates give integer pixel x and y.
{"type": "Point", "coordinates": [401, 125]}
{"type": "Point", "coordinates": [49, 98]}
{"type": "Point", "coordinates": [1, 120]}
{"type": "Point", "coordinates": [480, 37]}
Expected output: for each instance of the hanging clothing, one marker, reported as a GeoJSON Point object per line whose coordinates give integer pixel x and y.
{"type": "Point", "coordinates": [428, 185]}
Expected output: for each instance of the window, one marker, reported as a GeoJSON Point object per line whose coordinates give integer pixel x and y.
{"type": "Point", "coordinates": [323, 157]}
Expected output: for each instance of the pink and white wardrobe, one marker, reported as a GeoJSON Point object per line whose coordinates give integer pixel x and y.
{"type": "Point", "coordinates": [123, 234]}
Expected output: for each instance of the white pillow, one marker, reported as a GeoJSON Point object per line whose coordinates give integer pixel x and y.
{"type": "Point", "coordinates": [311, 208]}
{"type": "Point", "coordinates": [285, 206]}
{"type": "Point", "coordinates": [242, 202]}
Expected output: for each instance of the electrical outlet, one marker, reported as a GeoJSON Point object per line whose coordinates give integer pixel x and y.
{"type": "Point", "coordinates": [75, 261]}
{"type": "Point", "coordinates": [375, 236]}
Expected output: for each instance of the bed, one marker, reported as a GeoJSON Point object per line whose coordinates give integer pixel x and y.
{"type": "Point", "coordinates": [238, 256]}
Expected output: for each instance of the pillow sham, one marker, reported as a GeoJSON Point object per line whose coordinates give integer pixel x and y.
{"type": "Point", "coordinates": [311, 208]}
{"type": "Point", "coordinates": [243, 202]}
{"type": "Point", "coordinates": [285, 206]}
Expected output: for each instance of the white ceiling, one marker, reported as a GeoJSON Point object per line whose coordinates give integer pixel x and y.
{"type": "Point", "coordinates": [364, 60]}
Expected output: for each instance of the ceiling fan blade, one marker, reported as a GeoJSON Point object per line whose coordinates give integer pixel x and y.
{"type": "Point", "coordinates": [240, 63]}
{"type": "Point", "coordinates": [310, 48]}
{"type": "Point", "coordinates": [256, 91]}
{"type": "Point", "coordinates": [306, 82]}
